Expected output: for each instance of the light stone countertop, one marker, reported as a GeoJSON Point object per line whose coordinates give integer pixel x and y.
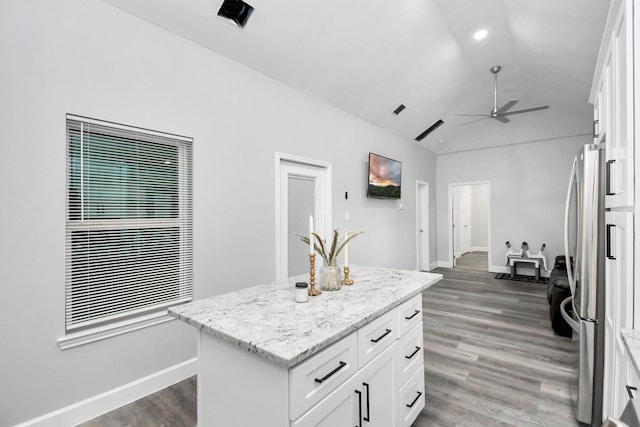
{"type": "Point", "coordinates": [631, 339]}
{"type": "Point", "coordinates": [266, 320]}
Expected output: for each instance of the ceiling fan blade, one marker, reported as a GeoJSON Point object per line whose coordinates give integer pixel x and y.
{"type": "Point", "coordinates": [502, 119]}
{"type": "Point", "coordinates": [474, 121]}
{"type": "Point", "coordinates": [506, 107]}
{"type": "Point", "coordinates": [526, 110]}
{"type": "Point", "coordinates": [473, 115]}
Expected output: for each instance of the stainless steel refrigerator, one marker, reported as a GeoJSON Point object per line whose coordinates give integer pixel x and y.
{"type": "Point", "coordinates": [584, 310]}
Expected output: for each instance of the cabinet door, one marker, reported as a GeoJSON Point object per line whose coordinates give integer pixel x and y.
{"type": "Point", "coordinates": [411, 399]}
{"type": "Point", "coordinates": [366, 399]}
{"type": "Point", "coordinates": [618, 307]}
{"type": "Point", "coordinates": [339, 409]}
{"type": "Point", "coordinates": [377, 384]}
{"type": "Point", "coordinates": [619, 85]}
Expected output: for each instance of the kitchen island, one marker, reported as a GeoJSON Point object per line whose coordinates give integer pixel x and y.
{"type": "Point", "coordinates": [340, 358]}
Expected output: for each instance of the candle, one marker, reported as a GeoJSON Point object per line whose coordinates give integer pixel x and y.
{"type": "Point", "coordinates": [311, 250]}
{"type": "Point", "coordinates": [346, 251]}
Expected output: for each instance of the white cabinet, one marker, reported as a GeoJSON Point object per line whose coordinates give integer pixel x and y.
{"type": "Point", "coordinates": [613, 99]}
{"type": "Point", "coordinates": [411, 399]}
{"type": "Point", "coordinates": [618, 307]}
{"type": "Point", "coordinates": [376, 336]}
{"type": "Point", "coordinates": [361, 380]}
{"type": "Point", "coordinates": [378, 391]}
{"type": "Point", "coordinates": [318, 376]}
{"type": "Point", "coordinates": [339, 409]}
{"type": "Point", "coordinates": [367, 397]}
{"type": "Point", "coordinates": [387, 390]}
{"type": "Point", "coordinates": [410, 362]}
{"type": "Point", "coordinates": [629, 389]}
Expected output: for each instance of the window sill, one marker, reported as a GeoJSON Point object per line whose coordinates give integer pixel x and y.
{"type": "Point", "coordinates": [76, 339]}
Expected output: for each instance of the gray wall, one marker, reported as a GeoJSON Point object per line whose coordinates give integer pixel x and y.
{"type": "Point", "coordinates": [479, 216]}
{"type": "Point", "coordinates": [528, 184]}
{"type": "Point", "coordinates": [85, 57]}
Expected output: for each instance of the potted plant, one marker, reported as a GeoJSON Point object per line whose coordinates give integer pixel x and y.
{"type": "Point", "coordinates": [330, 278]}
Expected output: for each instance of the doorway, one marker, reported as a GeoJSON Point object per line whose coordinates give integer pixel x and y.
{"type": "Point", "coordinates": [469, 220]}
{"type": "Point", "coordinates": [422, 226]}
{"type": "Point", "coordinates": [303, 188]}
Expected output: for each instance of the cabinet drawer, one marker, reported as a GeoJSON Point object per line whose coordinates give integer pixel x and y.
{"type": "Point", "coordinates": [376, 336]}
{"type": "Point", "coordinates": [338, 409]}
{"type": "Point", "coordinates": [409, 314]}
{"type": "Point", "coordinates": [411, 399]}
{"type": "Point", "coordinates": [410, 353]}
{"type": "Point", "coordinates": [316, 377]}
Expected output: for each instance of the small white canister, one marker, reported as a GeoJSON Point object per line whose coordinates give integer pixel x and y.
{"type": "Point", "coordinates": [302, 292]}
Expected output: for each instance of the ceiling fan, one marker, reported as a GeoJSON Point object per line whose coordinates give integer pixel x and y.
{"type": "Point", "coordinates": [500, 114]}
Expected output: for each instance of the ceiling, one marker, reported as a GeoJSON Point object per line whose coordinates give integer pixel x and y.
{"type": "Point", "coordinates": [366, 57]}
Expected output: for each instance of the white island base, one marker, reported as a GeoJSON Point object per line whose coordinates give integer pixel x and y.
{"type": "Point", "coordinates": [368, 371]}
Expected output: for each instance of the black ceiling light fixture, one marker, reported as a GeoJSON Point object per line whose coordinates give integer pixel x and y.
{"type": "Point", "coordinates": [398, 110]}
{"type": "Point", "coordinates": [433, 127]}
{"type": "Point", "coordinates": [237, 11]}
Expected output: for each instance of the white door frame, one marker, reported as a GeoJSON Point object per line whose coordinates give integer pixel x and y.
{"type": "Point", "coordinates": [450, 220]}
{"type": "Point", "coordinates": [281, 217]}
{"type": "Point", "coordinates": [420, 256]}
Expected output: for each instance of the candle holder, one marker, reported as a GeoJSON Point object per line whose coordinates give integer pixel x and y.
{"type": "Point", "coordinates": [346, 280]}
{"type": "Point", "coordinates": [312, 277]}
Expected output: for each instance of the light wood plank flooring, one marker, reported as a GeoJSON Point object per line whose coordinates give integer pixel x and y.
{"type": "Point", "coordinates": [491, 359]}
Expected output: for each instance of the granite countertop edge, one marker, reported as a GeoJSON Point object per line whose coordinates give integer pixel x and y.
{"type": "Point", "coordinates": [199, 320]}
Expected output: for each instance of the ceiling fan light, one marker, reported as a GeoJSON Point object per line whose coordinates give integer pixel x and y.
{"type": "Point", "coordinates": [480, 34]}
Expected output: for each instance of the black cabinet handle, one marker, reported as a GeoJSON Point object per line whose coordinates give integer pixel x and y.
{"type": "Point", "coordinates": [388, 331]}
{"type": "Point", "coordinates": [415, 313]}
{"type": "Point", "coordinates": [326, 377]}
{"type": "Point", "coordinates": [368, 414]}
{"type": "Point", "coordinates": [608, 239]}
{"type": "Point", "coordinates": [630, 390]}
{"type": "Point", "coordinates": [415, 400]}
{"type": "Point", "coordinates": [608, 177]}
{"type": "Point", "coordinates": [414, 353]}
{"type": "Point", "coordinates": [359, 408]}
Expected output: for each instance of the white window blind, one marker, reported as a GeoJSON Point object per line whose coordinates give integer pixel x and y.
{"type": "Point", "coordinates": [129, 226]}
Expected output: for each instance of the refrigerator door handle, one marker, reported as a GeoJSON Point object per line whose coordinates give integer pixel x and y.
{"type": "Point", "coordinates": [569, 319]}
{"type": "Point", "coordinates": [567, 210]}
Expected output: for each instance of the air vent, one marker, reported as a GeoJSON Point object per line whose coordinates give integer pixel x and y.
{"type": "Point", "coordinates": [398, 110]}
{"type": "Point", "coordinates": [236, 10]}
{"type": "Point", "coordinates": [433, 127]}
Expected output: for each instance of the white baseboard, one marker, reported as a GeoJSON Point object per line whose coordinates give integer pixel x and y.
{"type": "Point", "coordinates": [499, 269]}
{"type": "Point", "coordinates": [445, 264]}
{"type": "Point", "coordinates": [431, 267]}
{"type": "Point", "coordinates": [95, 406]}
{"type": "Point", "coordinates": [479, 249]}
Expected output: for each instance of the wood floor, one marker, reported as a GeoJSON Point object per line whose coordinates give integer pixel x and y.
{"type": "Point", "coordinates": [491, 359]}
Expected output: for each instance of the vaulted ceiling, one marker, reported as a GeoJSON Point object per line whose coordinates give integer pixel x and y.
{"type": "Point", "coordinates": [366, 57]}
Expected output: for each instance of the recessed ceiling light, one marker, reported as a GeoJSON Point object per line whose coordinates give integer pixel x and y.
{"type": "Point", "coordinates": [481, 34]}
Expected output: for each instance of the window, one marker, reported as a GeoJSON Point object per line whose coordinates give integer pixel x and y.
{"type": "Point", "coordinates": [129, 222]}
